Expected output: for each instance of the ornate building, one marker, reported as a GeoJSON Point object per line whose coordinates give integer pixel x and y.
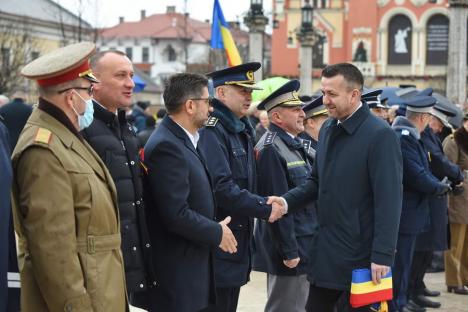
{"type": "Point", "coordinates": [392, 41]}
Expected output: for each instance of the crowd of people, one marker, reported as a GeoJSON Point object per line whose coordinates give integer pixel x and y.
{"type": "Point", "coordinates": [112, 208]}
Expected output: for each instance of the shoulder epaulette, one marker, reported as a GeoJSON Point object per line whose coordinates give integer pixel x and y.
{"type": "Point", "coordinates": [306, 144]}
{"type": "Point", "coordinates": [212, 121]}
{"type": "Point", "coordinates": [43, 136]}
{"type": "Point", "coordinates": [269, 138]}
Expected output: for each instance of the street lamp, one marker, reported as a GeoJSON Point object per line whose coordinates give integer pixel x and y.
{"type": "Point", "coordinates": [256, 7]}
{"type": "Point", "coordinates": [307, 12]}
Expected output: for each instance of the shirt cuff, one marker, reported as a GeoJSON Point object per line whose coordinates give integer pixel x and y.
{"type": "Point", "coordinates": [285, 204]}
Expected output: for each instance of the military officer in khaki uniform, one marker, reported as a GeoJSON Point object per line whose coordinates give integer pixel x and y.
{"type": "Point", "coordinates": [64, 200]}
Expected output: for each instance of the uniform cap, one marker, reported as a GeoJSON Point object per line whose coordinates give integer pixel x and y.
{"type": "Point", "coordinates": [315, 108]}
{"type": "Point", "coordinates": [62, 65]}
{"type": "Point", "coordinates": [286, 95]}
{"type": "Point", "coordinates": [240, 75]}
{"type": "Point", "coordinates": [420, 104]}
{"type": "Point", "coordinates": [372, 98]}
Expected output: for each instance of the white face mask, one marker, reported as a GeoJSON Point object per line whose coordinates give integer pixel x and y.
{"type": "Point", "coordinates": [86, 119]}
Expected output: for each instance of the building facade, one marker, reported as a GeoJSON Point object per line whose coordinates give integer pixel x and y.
{"type": "Point", "coordinates": [392, 41]}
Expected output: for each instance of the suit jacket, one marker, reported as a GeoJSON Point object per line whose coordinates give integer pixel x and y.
{"type": "Point", "coordinates": [15, 115]}
{"type": "Point", "coordinates": [180, 211]}
{"type": "Point", "coordinates": [66, 218]}
{"type": "Point", "coordinates": [357, 178]}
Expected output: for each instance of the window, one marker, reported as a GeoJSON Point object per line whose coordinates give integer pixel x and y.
{"type": "Point", "coordinates": [34, 55]}
{"type": "Point", "coordinates": [399, 40]}
{"type": "Point", "coordinates": [317, 53]}
{"type": "Point", "coordinates": [145, 55]}
{"type": "Point", "coordinates": [5, 59]}
{"type": "Point", "coordinates": [171, 54]}
{"type": "Point", "coordinates": [437, 40]}
{"type": "Point", "coordinates": [129, 52]}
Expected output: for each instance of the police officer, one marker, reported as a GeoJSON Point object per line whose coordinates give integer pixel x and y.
{"type": "Point", "coordinates": [435, 236]}
{"type": "Point", "coordinates": [228, 140]}
{"type": "Point", "coordinates": [418, 185]}
{"type": "Point", "coordinates": [315, 116]}
{"type": "Point", "coordinates": [64, 199]}
{"type": "Point", "coordinates": [377, 107]}
{"type": "Point", "coordinates": [283, 249]}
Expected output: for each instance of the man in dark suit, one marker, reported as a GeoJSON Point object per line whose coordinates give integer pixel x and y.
{"type": "Point", "coordinates": [180, 202]}
{"type": "Point", "coordinates": [359, 198]}
{"type": "Point", "coordinates": [15, 115]}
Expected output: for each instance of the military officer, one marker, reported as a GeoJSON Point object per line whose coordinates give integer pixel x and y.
{"type": "Point", "coordinates": [64, 201]}
{"type": "Point", "coordinates": [418, 185]}
{"type": "Point", "coordinates": [228, 140]}
{"type": "Point", "coordinates": [435, 236]}
{"type": "Point", "coordinates": [315, 115]}
{"type": "Point", "coordinates": [377, 107]}
{"type": "Point", "coordinates": [283, 249]}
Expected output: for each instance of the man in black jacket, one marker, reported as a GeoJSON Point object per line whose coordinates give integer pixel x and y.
{"type": "Point", "coordinates": [115, 142]}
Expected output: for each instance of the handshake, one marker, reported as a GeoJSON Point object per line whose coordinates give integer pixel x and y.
{"type": "Point", "coordinates": [228, 240]}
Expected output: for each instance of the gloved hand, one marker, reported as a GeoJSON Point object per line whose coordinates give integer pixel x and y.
{"type": "Point", "coordinates": [444, 187]}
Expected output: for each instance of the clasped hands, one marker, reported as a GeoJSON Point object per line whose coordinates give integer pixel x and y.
{"type": "Point", "coordinates": [278, 208]}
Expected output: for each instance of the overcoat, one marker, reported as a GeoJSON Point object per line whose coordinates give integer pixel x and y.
{"type": "Point", "coordinates": [435, 238]}
{"type": "Point", "coordinates": [180, 209]}
{"type": "Point", "coordinates": [357, 178]}
{"type": "Point", "coordinates": [227, 141]}
{"type": "Point", "coordinates": [456, 149]}
{"type": "Point", "coordinates": [66, 217]}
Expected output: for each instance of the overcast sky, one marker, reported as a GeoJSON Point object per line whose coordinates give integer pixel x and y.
{"type": "Point", "coordinates": [105, 13]}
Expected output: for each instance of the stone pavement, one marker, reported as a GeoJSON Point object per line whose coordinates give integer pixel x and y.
{"type": "Point", "coordinates": [253, 296]}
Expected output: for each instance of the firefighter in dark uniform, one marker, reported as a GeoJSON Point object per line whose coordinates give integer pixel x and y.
{"type": "Point", "coordinates": [283, 249]}
{"type": "Point", "coordinates": [418, 185]}
{"type": "Point", "coordinates": [227, 140]}
{"type": "Point", "coordinates": [435, 238]}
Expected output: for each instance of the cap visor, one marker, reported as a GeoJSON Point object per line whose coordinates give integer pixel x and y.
{"type": "Point", "coordinates": [248, 86]}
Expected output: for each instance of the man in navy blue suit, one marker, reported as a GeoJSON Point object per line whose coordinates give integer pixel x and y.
{"type": "Point", "coordinates": [181, 204]}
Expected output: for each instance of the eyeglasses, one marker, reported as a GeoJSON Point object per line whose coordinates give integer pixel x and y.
{"type": "Point", "coordinates": [208, 100]}
{"type": "Point", "coordinates": [89, 89]}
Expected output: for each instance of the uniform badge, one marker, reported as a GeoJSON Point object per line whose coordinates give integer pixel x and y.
{"type": "Point", "coordinates": [306, 144]}
{"type": "Point", "coordinates": [269, 138]}
{"type": "Point", "coordinates": [212, 121]}
{"type": "Point", "coordinates": [250, 75]}
{"type": "Point", "coordinates": [43, 136]}
{"type": "Point", "coordinates": [405, 132]}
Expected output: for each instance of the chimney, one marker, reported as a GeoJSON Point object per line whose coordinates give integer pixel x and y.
{"type": "Point", "coordinates": [143, 14]}
{"type": "Point", "coordinates": [121, 19]}
{"type": "Point", "coordinates": [170, 9]}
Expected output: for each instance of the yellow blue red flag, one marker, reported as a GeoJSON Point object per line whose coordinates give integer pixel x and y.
{"type": "Point", "coordinates": [221, 37]}
{"type": "Point", "coordinates": [365, 292]}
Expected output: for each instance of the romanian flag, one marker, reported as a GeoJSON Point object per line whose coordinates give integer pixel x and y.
{"type": "Point", "coordinates": [221, 37]}
{"type": "Point", "coordinates": [364, 292]}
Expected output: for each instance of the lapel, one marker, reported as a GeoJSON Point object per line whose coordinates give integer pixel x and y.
{"type": "Point", "coordinates": [180, 133]}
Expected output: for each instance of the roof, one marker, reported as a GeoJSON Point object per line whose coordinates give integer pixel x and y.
{"type": "Point", "coordinates": [168, 26]}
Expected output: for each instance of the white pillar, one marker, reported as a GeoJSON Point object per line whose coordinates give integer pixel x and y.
{"type": "Point", "coordinates": [306, 70]}
{"type": "Point", "coordinates": [456, 71]}
{"type": "Point", "coordinates": [256, 51]}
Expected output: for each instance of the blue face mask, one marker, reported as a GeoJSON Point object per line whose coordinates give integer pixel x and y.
{"type": "Point", "coordinates": [85, 120]}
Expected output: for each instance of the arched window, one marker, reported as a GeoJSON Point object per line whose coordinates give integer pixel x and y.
{"type": "Point", "coordinates": [171, 54]}
{"type": "Point", "coordinates": [399, 40]}
{"type": "Point", "coordinates": [437, 39]}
